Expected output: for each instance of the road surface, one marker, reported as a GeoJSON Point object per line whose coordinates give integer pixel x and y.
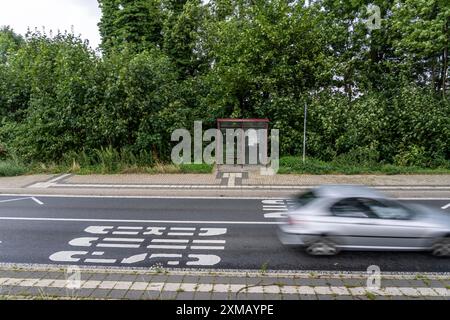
{"type": "Point", "coordinates": [173, 232]}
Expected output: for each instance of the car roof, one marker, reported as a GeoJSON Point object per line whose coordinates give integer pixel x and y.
{"type": "Point", "coordinates": [347, 191]}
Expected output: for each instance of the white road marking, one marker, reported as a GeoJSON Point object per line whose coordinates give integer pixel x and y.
{"type": "Point", "coordinates": [446, 206]}
{"type": "Point", "coordinates": [118, 245]}
{"type": "Point", "coordinates": [209, 232]}
{"type": "Point", "coordinates": [182, 229]}
{"type": "Point", "coordinates": [156, 231]}
{"type": "Point", "coordinates": [207, 248]}
{"type": "Point", "coordinates": [203, 260]}
{"type": "Point", "coordinates": [231, 185]}
{"type": "Point", "coordinates": [273, 202]}
{"type": "Point", "coordinates": [170, 241]}
{"type": "Point", "coordinates": [135, 259]}
{"type": "Point", "coordinates": [20, 199]}
{"type": "Point", "coordinates": [184, 234]}
{"type": "Point", "coordinates": [76, 196]}
{"type": "Point", "coordinates": [111, 261]}
{"type": "Point", "coordinates": [168, 256]}
{"type": "Point", "coordinates": [37, 201]}
{"type": "Point", "coordinates": [129, 228]}
{"type": "Point", "coordinates": [169, 247]}
{"type": "Point", "coordinates": [124, 239]}
{"type": "Point", "coordinates": [82, 242]}
{"type": "Point", "coordinates": [140, 221]}
{"type": "Point", "coordinates": [275, 209]}
{"type": "Point", "coordinates": [209, 241]}
{"type": "Point", "coordinates": [126, 233]}
{"type": "Point", "coordinates": [49, 183]}
{"type": "Point", "coordinates": [274, 215]}
{"type": "Point", "coordinates": [67, 256]}
{"type": "Point", "coordinates": [97, 229]}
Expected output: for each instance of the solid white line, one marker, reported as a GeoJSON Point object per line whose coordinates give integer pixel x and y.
{"type": "Point", "coordinates": [26, 198]}
{"type": "Point", "coordinates": [162, 186]}
{"type": "Point", "coordinates": [446, 206]}
{"type": "Point", "coordinates": [138, 221]}
{"type": "Point", "coordinates": [12, 200]}
{"type": "Point", "coordinates": [178, 197]}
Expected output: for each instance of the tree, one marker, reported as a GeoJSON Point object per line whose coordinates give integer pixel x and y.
{"type": "Point", "coordinates": [136, 23]}
{"type": "Point", "coordinates": [182, 31]}
{"type": "Point", "coordinates": [10, 42]}
{"type": "Point", "coordinates": [424, 44]}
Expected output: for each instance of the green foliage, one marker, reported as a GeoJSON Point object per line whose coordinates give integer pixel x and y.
{"type": "Point", "coordinates": [9, 168]}
{"type": "Point", "coordinates": [134, 24]}
{"type": "Point", "coordinates": [376, 98]}
{"type": "Point", "coordinates": [291, 164]}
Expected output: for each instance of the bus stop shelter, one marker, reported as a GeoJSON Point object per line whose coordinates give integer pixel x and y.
{"type": "Point", "coordinates": [247, 140]}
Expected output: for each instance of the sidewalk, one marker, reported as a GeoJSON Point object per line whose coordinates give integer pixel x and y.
{"type": "Point", "coordinates": [238, 184]}
{"type": "Point", "coordinates": [48, 282]}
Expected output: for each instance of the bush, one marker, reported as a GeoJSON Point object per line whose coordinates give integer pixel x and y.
{"type": "Point", "coordinates": [10, 168]}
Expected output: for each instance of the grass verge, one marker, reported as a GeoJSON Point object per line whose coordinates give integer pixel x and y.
{"type": "Point", "coordinates": [10, 168]}
{"type": "Point", "coordinates": [158, 168]}
{"type": "Point", "coordinates": [289, 165]}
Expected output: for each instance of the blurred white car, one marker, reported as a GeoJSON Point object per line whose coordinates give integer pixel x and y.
{"type": "Point", "coordinates": [342, 217]}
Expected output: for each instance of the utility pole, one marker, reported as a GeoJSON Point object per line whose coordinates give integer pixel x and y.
{"type": "Point", "coordinates": [304, 133]}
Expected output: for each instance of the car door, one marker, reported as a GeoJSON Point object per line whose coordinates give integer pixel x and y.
{"type": "Point", "coordinates": [352, 225]}
{"type": "Point", "coordinates": [396, 226]}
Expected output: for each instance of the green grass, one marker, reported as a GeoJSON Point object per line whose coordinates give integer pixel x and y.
{"type": "Point", "coordinates": [292, 164]}
{"type": "Point", "coordinates": [196, 168]}
{"type": "Point", "coordinates": [120, 168]}
{"type": "Point", "coordinates": [370, 296]}
{"type": "Point", "coordinates": [108, 161]}
{"type": "Point", "coordinates": [10, 168]}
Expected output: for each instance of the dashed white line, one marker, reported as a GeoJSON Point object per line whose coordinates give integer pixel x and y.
{"type": "Point", "coordinates": [156, 246]}
{"type": "Point", "coordinates": [123, 239]}
{"type": "Point", "coordinates": [207, 248]}
{"type": "Point", "coordinates": [209, 241]}
{"type": "Point", "coordinates": [446, 206]}
{"type": "Point", "coordinates": [170, 241]}
{"type": "Point", "coordinates": [118, 245]}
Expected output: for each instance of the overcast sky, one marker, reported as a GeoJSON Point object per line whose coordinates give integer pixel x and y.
{"type": "Point", "coordinates": [53, 14]}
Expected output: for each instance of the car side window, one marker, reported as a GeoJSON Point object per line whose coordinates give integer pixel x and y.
{"type": "Point", "coordinates": [387, 209]}
{"type": "Point", "coordinates": [350, 208]}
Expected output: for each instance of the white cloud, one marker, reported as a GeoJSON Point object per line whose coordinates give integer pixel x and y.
{"type": "Point", "coordinates": [55, 15]}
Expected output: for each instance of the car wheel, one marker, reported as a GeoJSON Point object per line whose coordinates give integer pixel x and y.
{"type": "Point", "coordinates": [322, 247]}
{"type": "Point", "coordinates": [441, 248]}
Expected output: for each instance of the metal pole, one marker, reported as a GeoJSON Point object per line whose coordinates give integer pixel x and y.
{"type": "Point", "coordinates": [304, 133]}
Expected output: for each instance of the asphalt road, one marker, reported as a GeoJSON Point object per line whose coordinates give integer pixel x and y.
{"type": "Point", "coordinates": [176, 233]}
